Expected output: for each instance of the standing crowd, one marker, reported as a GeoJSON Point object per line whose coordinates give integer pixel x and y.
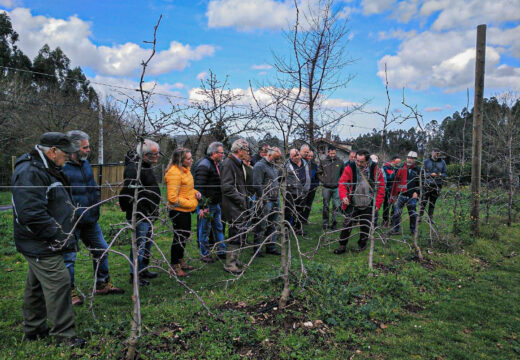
{"type": "Point", "coordinates": [56, 202]}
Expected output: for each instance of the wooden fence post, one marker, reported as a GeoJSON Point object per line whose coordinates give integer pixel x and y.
{"type": "Point", "coordinates": [477, 127]}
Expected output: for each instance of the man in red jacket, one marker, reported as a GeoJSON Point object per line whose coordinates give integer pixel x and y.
{"type": "Point", "coordinates": [357, 186]}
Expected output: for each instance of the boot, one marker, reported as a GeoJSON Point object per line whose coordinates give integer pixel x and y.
{"type": "Point", "coordinates": [231, 260]}
{"type": "Point", "coordinates": [105, 288]}
{"type": "Point", "coordinates": [76, 299]}
{"type": "Point", "coordinates": [177, 270]}
{"type": "Point", "coordinates": [185, 266]}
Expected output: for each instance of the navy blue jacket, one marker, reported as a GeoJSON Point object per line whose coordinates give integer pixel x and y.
{"type": "Point", "coordinates": [84, 190]}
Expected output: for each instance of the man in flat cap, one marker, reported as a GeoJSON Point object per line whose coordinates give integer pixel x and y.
{"type": "Point", "coordinates": [43, 223]}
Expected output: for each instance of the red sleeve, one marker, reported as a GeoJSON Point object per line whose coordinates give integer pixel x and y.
{"type": "Point", "coordinates": [397, 182]}
{"type": "Point", "coordinates": [380, 197]}
{"type": "Point", "coordinates": [345, 183]}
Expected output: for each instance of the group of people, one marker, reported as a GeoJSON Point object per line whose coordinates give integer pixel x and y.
{"type": "Point", "coordinates": [56, 202]}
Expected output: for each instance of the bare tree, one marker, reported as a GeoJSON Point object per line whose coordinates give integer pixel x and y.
{"type": "Point", "coordinates": [217, 112]}
{"type": "Point", "coordinates": [318, 42]}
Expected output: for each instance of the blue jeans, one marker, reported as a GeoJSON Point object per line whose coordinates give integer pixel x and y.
{"type": "Point", "coordinates": [215, 224]}
{"type": "Point", "coordinates": [411, 204]}
{"type": "Point", "coordinates": [328, 195]}
{"type": "Point", "coordinates": [92, 237]}
{"type": "Point", "coordinates": [143, 236]}
{"type": "Point", "coordinates": [267, 227]}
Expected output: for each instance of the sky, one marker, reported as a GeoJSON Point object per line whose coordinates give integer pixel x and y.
{"type": "Point", "coordinates": [428, 47]}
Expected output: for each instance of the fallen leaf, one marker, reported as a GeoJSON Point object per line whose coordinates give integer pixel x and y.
{"type": "Point", "coordinates": [383, 326]}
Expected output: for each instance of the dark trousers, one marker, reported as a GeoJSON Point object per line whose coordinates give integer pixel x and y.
{"type": "Point", "coordinates": [267, 226]}
{"type": "Point", "coordinates": [237, 233]}
{"type": "Point", "coordinates": [294, 207]}
{"type": "Point", "coordinates": [307, 203]}
{"type": "Point", "coordinates": [429, 199]}
{"type": "Point", "coordinates": [387, 207]}
{"type": "Point", "coordinates": [181, 222]}
{"type": "Point", "coordinates": [354, 215]}
{"type": "Point", "coordinates": [47, 295]}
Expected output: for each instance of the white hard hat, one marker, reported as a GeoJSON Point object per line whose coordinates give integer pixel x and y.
{"type": "Point", "coordinates": [412, 154]}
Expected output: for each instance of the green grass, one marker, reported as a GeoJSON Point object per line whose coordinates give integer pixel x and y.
{"type": "Point", "coordinates": [5, 198]}
{"type": "Point", "coordinates": [460, 303]}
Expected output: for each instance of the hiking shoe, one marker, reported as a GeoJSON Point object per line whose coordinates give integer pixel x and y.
{"type": "Point", "coordinates": [340, 250]}
{"type": "Point", "coordinates": [73, 342]}
{"type": "Point", "coordinates": [185, 266]}
{"type": "Point", "coordinates": [361, 248]}
{"type": "Point", "coordinates": [208, 259]}
{"type": "Point", "coordinates": [273, 252]}
{"type": "Point", "coordinates": [76, 299]}
{"type": "Point", "coordinates": [142, 282]}
{"type": "Point", "coordinates": [177, 271]}
{"type": "Point", "coordinates": [106, 288]}
{"type": "Point", "coordinates": [148, 274]}
{"type": "Point", "coordinates": [37, 335]}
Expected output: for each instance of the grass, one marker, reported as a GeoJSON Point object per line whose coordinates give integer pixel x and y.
{"type": "Point", "coordinates": [460, 303]}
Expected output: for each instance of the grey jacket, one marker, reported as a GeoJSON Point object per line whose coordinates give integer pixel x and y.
{"type": "Point", "coordinates": [294, 185]}
{"type": "Point", "coordinates": [330, 171]}
{"type": "Point", "coordinates": [266, 180]}
{"type": "Point", "coordinates": [434, 166]}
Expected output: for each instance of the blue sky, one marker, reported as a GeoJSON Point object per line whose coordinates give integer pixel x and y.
{"type": "Point", "coordinates": [428, 45]}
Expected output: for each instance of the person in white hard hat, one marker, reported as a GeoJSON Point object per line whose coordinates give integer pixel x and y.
{"type": "Point", "coordinates": [405, 191]}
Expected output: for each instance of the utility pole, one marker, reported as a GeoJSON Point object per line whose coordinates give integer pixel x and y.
{"type": "Point", "coordinates": [477, 127]}
{"type": "Point", "coordinates": [100, 147]}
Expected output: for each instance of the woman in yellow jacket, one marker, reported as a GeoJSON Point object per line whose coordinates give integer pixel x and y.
{"type": "Point", "coordinates": [182, 201]}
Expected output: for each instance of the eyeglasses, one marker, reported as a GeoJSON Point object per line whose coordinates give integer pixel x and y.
{"type": "Point", "coordinates": [220, 152]}
{"type": "Point", "coordinates": [153, 154]}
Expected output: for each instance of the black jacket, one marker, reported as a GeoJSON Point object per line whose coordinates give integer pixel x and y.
{"type": "Point", "coordinates": [234, 193]}
{"type": "Point", "coordinates": [149, 194]}
{"type": "Point", "coordinates": [330, 172]}
{"type": "Point", "coordinates": [207, 180]}
{"type": "Point", "coordinates": [43, 214]}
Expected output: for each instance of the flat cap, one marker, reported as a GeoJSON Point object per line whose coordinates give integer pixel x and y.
{"type": "Point", "coordinates": [58, 140]}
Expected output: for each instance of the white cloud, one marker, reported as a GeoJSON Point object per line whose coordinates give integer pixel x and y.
{"type": "Point", "coordinates": [396, 34]}
{"type": "Point", "coordinates": [73, 37]}
{"type": "Point", "coordinates": [449, 64]}
{"type": "Point", "coordinates": [250, 14]}
{"type": "Point", "coordinates": [122, 89]}
{"type": "Point", "coordinates": [469, 13]}
{"type": "Point", "coordinates": [443, 56]}
{"type": "Point", "coordinates": [339, 103]}
{"type": "Point", "coordinates": [261, 67]}
{"type": "Point", "coordinates": [376, 6]}
{"type": "Point", "coordinates": [8, 4]}
{"type": "Point", "coordinates": [202, 75]}
{"type": "Point", "coordinates": [433, 109]}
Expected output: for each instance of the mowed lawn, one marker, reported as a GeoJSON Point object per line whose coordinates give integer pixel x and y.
{"type": "Point", "coordinates": [461, 302]}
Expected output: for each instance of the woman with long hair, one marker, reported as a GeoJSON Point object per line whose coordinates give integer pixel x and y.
{"type": "Point", "coordinates": [182, 201]}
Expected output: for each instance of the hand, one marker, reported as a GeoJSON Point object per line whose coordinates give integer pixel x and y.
{"type": "Point", "coordinates": [346, 201]}
{"type": "Point", "coordinates": [391, 200]}
{"type": "Point", "coordinates": [415, 196]}
{"type": "Point", "coordinates": [203, 212]}
{"type": "Point", "coordinates": [198, 195]}
{"type": "Point", "coordinates": [433, 175]}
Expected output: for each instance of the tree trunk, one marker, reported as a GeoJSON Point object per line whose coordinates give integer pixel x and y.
{"type": "Point", "coordinates": [285, 247]}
